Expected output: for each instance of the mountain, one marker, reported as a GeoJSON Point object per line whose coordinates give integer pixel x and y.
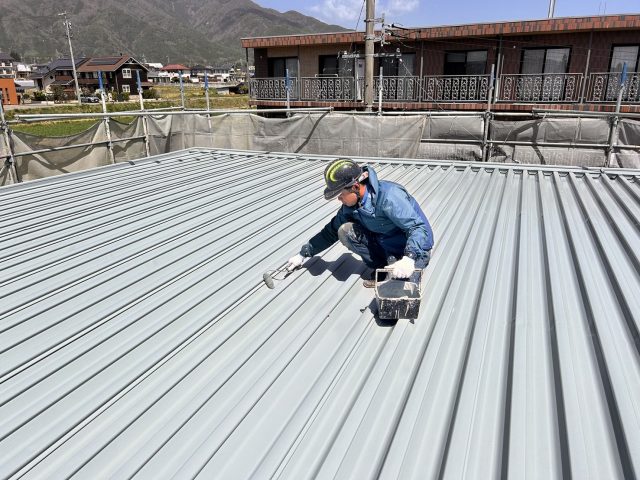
{"type": "Point", "coordinates": [179, 31]}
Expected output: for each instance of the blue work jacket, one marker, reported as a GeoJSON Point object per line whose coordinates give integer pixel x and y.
{"type": "Point", "coordinates": [394, 217]}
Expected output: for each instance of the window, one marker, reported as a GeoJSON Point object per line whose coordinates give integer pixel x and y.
{"type": "Point", "coordinates": [465, 63]}
{"type": "Point", "coordinates": [625, 54]}
{"type": "Point", "coordinates": [398, 67]}
{"type": "Point", "coordinates": [126, 73]}
{"type": "Point", "coordinates": [331, 65]}
{"type": "Point", "coordinates": [126, 89]}
{"type": "Point", "coordinates": [328, 65]}
{"type": "Point", "coordinates": [278, 66]}
{"type": "Point", "coordinates": [545, 60]}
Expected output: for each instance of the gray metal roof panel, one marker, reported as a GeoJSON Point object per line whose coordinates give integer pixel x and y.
{"type": "Point", "coordinates": [138, 339]}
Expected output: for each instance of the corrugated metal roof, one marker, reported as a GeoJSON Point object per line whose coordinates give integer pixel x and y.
{"type": "Point", "coordinates": [137, 338]}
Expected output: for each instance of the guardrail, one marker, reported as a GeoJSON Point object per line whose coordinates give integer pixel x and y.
{"type": "Point", "coordinates": [516, 88]}
{"type": "Point", "coordinates": [398, 89]}
{"type": "Point", "coordinates": [603, 87]}
{"type": "Point", "coordinates": [540, 88]}
{"type": "Point", "coordinates": [456, 88]}
{"type": "Point", "coordinates": [273, 88]}
{"type": "Point", "coordinates": [334, 89]}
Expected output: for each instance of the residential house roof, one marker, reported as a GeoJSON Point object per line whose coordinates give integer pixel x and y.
{"type": "Point", "coordinates": [529, 27]}
{"type": "Point", "coordinates": [174, 67]}
{"type": "Point", "coordinates": [138, 337]}
{"type": "Point", "coordinates": [107, 64]}
{"type": "Point", "coordinates": [5, 57]}
{"type": "Point", "coordinates": [58, 64]}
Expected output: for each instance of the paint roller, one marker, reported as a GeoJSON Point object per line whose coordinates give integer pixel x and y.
{"type": "Point", "coordinates": [270, 276]}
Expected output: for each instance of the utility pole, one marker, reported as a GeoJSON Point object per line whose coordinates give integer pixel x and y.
{"type": "Point", "coordinates": [369, 40]}
{"type": "Point", "coordinates": [552, 8]}
{"type": "Point", "coordinates": [67, 26]}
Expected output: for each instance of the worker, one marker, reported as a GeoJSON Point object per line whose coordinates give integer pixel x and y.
{"type": "Point", "coordinates": [378, 220]}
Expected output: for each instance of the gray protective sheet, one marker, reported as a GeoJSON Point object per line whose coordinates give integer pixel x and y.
{"type": "Point", "coordinates": [31, 167]}
{"type": "Point", "coordinates": [5, 174]}
{"type": "Point", "coordinates": [556, 130]}
{"type": "Point", "coordinates": [130, 149]}
{"type": "Point", "coordinates": [628, 134]}
{"type": "Point", "coordinates": [326, 134]}
{"type": "Point", "coordinates": [333, 134]}
{"type": "Point", "coordinates": [452, 128]}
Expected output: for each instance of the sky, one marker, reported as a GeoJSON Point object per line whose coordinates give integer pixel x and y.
{"type": "Point", "coordinates": [422, 13]}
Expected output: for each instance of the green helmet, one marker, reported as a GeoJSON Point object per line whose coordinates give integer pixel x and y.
{"type": "Point", "coordinates": [339, 174]}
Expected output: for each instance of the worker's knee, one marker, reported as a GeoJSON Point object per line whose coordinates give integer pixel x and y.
{"type": "Point", "coordinates": [346, 234]}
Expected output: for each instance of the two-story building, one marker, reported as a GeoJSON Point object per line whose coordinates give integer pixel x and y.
{"type": "Point", "coordinates": [175, 70]}
{"type": "Point", "coordinates": [570, 63]}
{"type": "Point", "coordinates": [7, 67]}
{"type": "Point", "coordinates": [118, 74]}
{"type": "Point", "coordinates": [57, 73]}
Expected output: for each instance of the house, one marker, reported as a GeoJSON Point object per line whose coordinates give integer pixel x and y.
{"type": "Point", "coordinates": [571, 63]}
{"type": "Point", "coordinates": [118, 74]}
{"type": "Point", "coordinates": [174, 70]}
{"type": "Point", "coordinates": [22, 70]}
{"type": "Point", "coordinates": [57, 73]}
{"type": "Point", "coordinates": [8, 91]}
{"type": "Point", "coordinates": [7, 69]}
{"type": "Point", "coordinates": [198, 72]}
{"type": "Point", "coordinates": [158, 76]}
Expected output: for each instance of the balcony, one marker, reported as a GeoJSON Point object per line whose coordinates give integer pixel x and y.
{"type": "Point", "coordinates": [540, 88]}
{"type": "Point", "coordinates": [273, 88]}
{"type": "Point", "coordinates": [555, 88]}
{"type": "Point", "coordinates": [456, 88]}
{"type": "Point", "coordinates": [604, 87]}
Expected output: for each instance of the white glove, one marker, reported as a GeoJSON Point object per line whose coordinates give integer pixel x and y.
{"type": "Point", "coordinates": [403, 268]}
{"type": "Point", "coordinates": [295, 262]}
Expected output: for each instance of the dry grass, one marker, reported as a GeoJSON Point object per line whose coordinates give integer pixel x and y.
{"type": "Point", "coordinates": [170, 97]}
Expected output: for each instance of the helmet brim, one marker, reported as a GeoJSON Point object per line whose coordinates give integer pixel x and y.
{"type": "Point", "coordinates": [331, 194]}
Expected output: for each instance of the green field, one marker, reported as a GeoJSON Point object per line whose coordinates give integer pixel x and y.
{"type": "Point", "coordinates": [169, 97]}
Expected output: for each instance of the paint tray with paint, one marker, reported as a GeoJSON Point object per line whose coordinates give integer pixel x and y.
{"type": "Point", "coordinates": [398, 298]}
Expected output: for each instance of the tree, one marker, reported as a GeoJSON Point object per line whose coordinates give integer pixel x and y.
{"type": "Point", "coordinates": [58, 93]}
{"type": "Point", "coordinates": [16, 56]}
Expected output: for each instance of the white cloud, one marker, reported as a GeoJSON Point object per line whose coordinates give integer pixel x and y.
{"type": "Point", "coordinates": [402, 6]}
{"type": "Point", "coordinates": [346, 12]}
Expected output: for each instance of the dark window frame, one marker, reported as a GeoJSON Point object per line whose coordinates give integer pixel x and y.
{"type": "Point", "coordinates": [613, 47]}
{"type": "Point", "coordinates": [321, 58]}
{"type": "Point", "coordinates": [466, 54]}
{"type": "Point", "coordinates": [270, 61]}
{"type": "Point", "coordinates": [394, 62]}
{"type": "Point", "coordinates": [544, 59]}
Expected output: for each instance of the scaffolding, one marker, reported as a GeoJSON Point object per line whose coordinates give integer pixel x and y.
{"type": "Point", "coordinates": [589, 139]}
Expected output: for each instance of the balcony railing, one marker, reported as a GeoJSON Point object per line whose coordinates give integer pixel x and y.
{"type": "Point", "coordinates": [333, 89]}
{"type": "Point", "coordinates": [540, 88]}
{"type": "Point", "coordinates": [524, 88]}
{"type": "Point", "coordinates": [603, 87]}
{"type": "Point", "coordinates": [456, 88]}
{"type": "Point", "coordinates": [273, 88]}
{"type": "Point", "coordinates": [398, 89]}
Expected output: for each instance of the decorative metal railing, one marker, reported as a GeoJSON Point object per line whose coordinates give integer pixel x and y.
{"type": "Point", "coordinates": [455, 88]}
{"type": "Point", "coordinates": [543, 88]}
{"type": "Point", "coordinates": [540, 88]}
{"type": "Point", "coordinates": [398, 89]}
{"type": "Point", "coordinates": [604, 87]}
{"type": "Point", "coordinates": [273, 88]}
{"type": "Point", "coordinates": [334, 89]}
